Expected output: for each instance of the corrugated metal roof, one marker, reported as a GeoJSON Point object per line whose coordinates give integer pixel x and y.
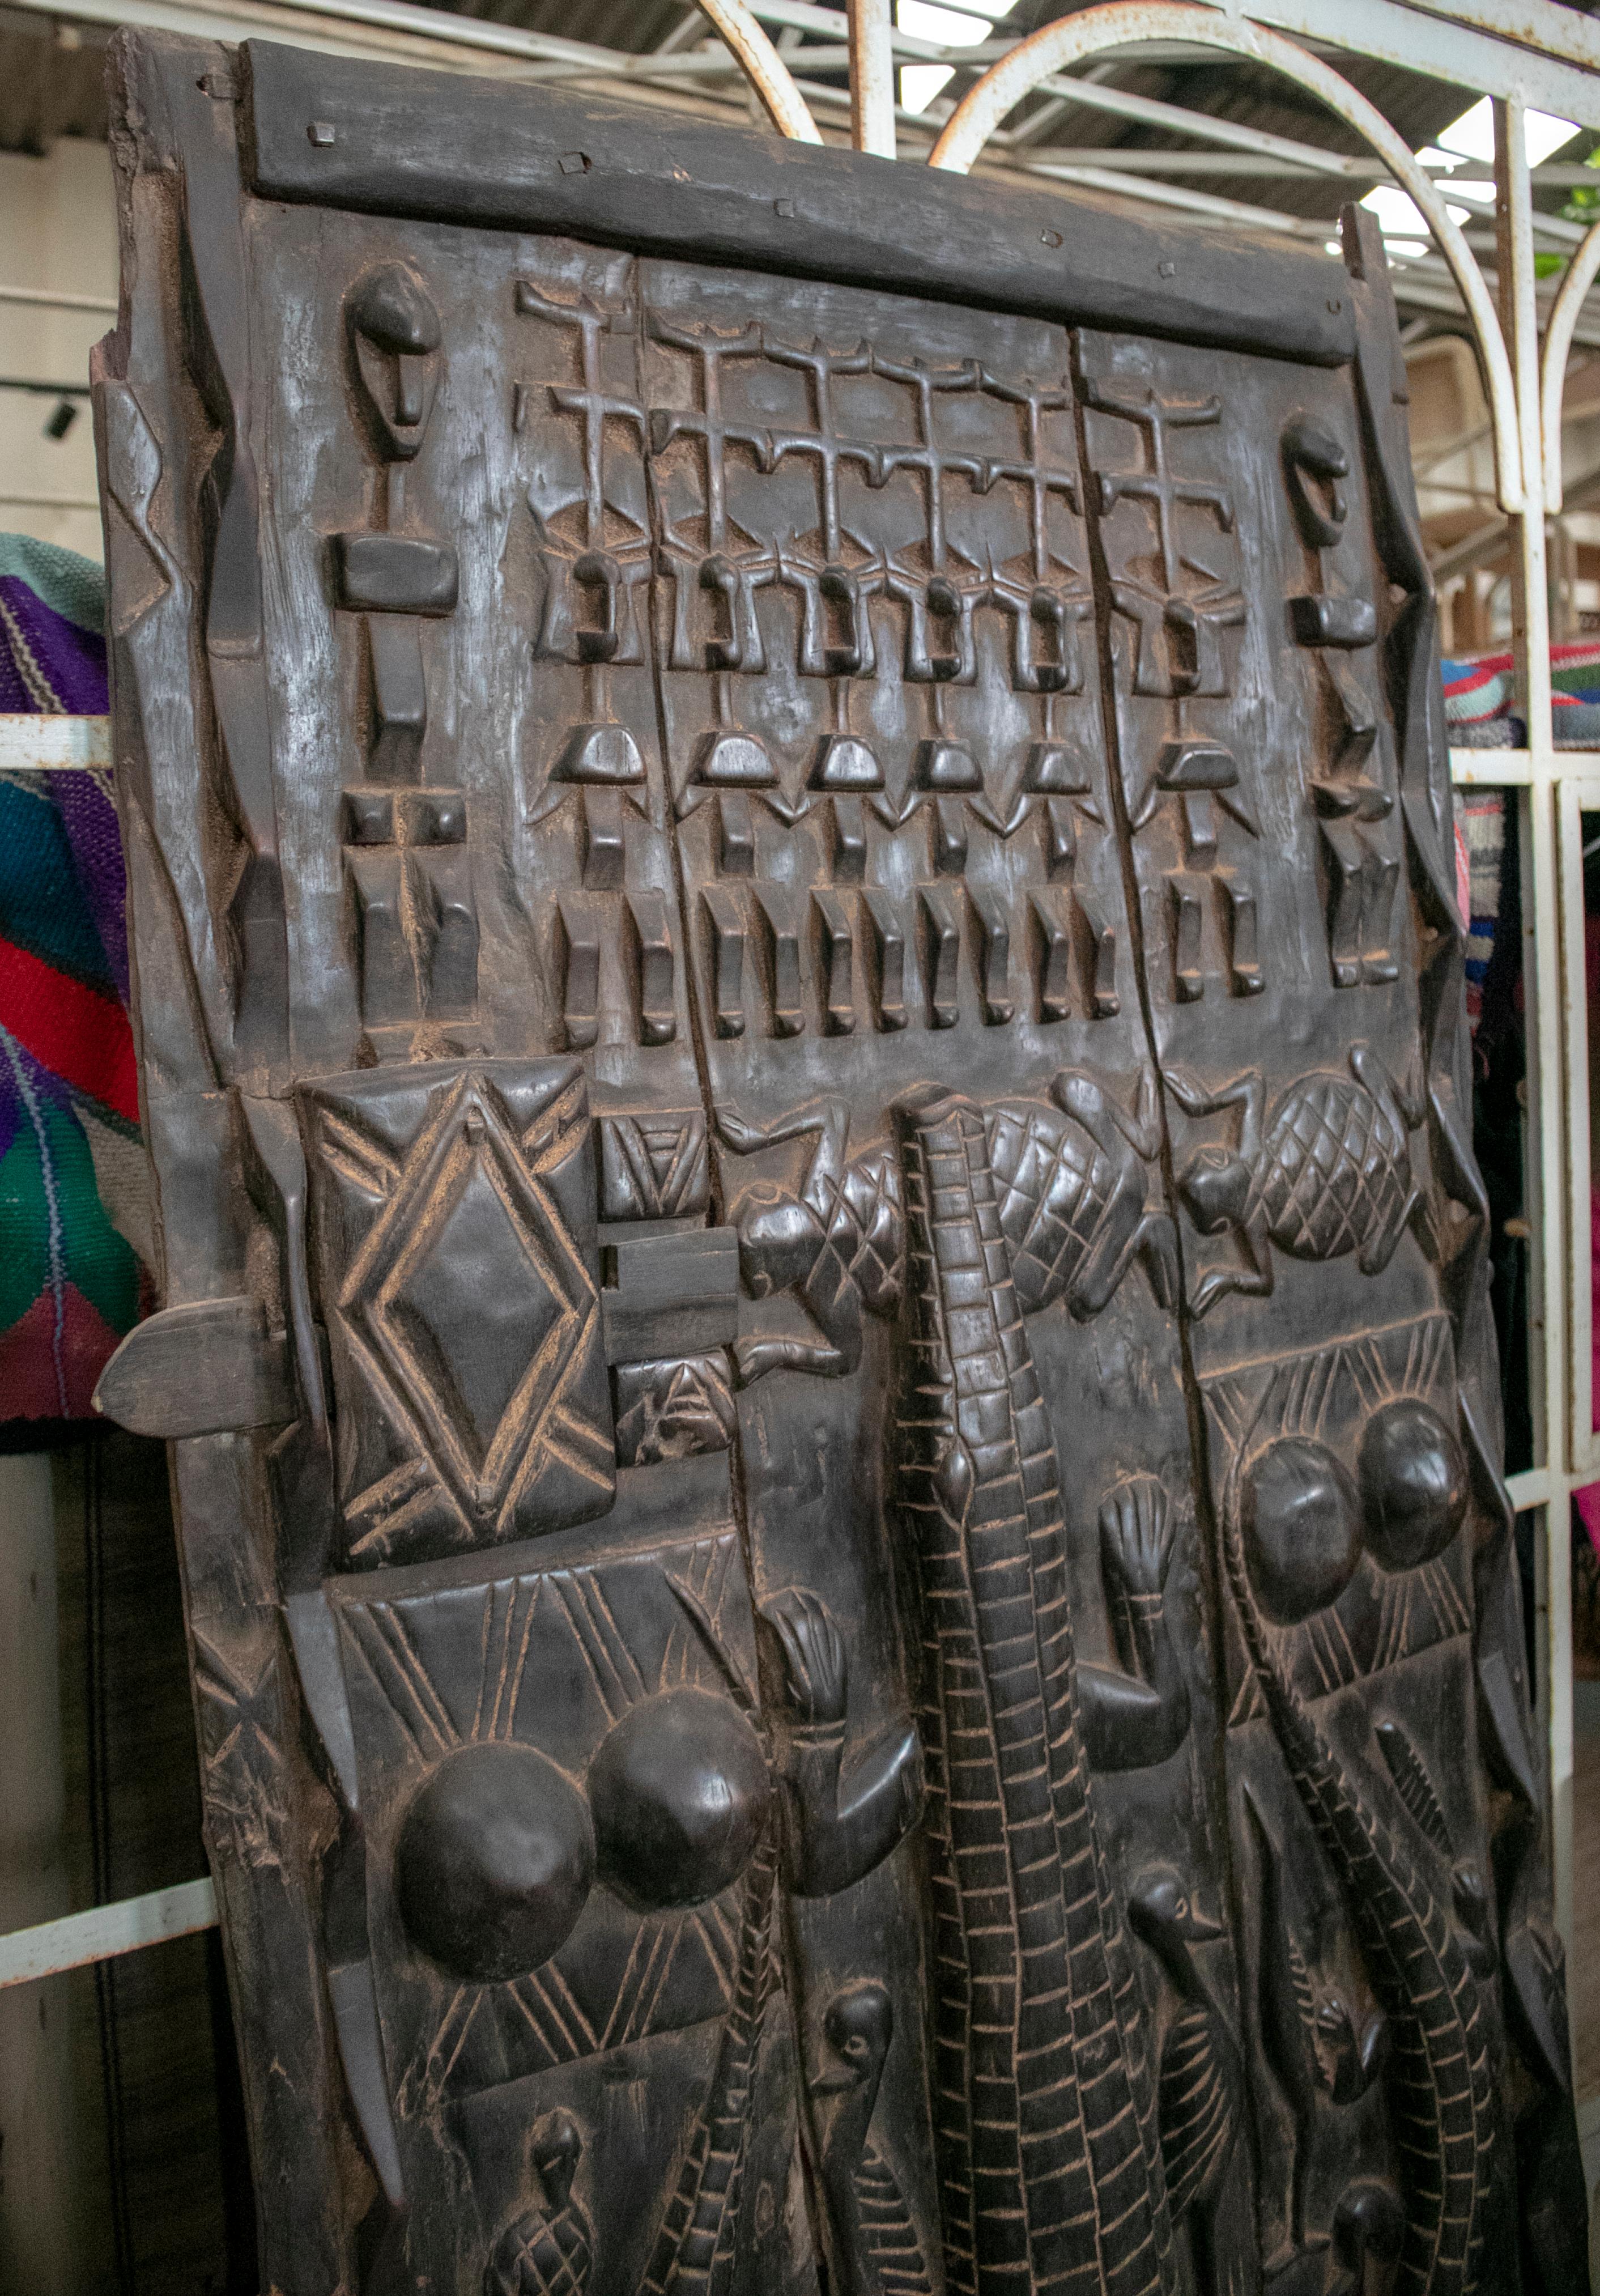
{"type": "Point", "coordinates": [51, 85]}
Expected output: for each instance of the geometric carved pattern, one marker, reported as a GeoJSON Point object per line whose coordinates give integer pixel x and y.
{"type": "Point", "coordinates": [896, 452]}
{"type": "Point", "coordinates": [1380, 1617]}
{"type": "Point", "coordinates": [455, 1222]}
{"type": "Point", "coordinates": [557, 1660]}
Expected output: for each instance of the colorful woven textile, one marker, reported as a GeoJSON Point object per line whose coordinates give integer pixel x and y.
{"type": "Point", "coordinates": [71, 1283]}
{"type": "Point", "coordinates": [1481, 847]}
{"type": "Point", "coordinates": [1479, 704]}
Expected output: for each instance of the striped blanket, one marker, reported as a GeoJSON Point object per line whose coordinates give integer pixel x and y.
{"type": "Point", "coordinates": [70, 1160]}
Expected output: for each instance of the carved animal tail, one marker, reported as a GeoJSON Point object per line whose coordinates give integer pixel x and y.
{"type": "Point", "coordinates": [694, 2248]}
{"type": "Point", "coordinates": [1050, 2172]}
{"type": "Point", "coordinates": [1438, 2069]}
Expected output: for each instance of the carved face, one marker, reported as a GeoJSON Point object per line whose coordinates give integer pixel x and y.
{"type": "Point", "coordinates": [1214, 1185]}
{"type": "Point", "coordinates": [779, 1239]}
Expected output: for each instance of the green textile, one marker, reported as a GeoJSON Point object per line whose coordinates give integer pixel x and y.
{"type": "Point", "coordinates": [69, 584]}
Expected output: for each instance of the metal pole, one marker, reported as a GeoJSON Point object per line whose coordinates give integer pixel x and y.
{"type": "Point", "coordinates": [872, 77]}
{"type": "Point", "coordinates": [1548, 1104]}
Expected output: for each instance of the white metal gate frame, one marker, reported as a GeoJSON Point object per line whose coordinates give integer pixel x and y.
{"type": "Point", "coordinates": [1523, 53]}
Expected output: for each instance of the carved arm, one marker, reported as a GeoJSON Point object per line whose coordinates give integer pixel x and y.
{"type": "Point", "coordinates": [1141, 1715]}
{"type": "Point", "coordinates": [840, 1823]}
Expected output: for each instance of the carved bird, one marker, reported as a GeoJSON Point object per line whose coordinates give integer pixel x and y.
{"type": "Point", "coordinates": [880, 2254]}
{"type": "Point", "coordinates": [546, 2249]}
{"type": "Point", "coordinates": [1199, 2082]}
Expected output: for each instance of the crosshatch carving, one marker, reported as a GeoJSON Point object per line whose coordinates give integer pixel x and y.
{"type": "Point", "coordinates": [854, 1622]}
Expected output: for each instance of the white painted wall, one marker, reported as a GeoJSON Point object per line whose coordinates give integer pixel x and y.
{"type": "Point", "coordinates": [58, 230]}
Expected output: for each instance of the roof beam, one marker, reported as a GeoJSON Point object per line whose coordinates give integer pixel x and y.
{"type": "Point", "coordinates": [1443, 44]}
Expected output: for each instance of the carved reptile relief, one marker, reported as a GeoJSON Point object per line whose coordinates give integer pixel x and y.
{"type": "Point", "coordinates": [741, 852]}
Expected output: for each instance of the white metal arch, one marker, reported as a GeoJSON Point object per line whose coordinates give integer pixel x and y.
{"type": "Point", "coordinates": [1117, 22]}
{"type": "Point", "coordinates": [1558, 343]}
{"type": "Point", "coordinates": [764, 69]}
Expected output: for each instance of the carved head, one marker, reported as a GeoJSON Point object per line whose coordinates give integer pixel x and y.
{"type": "Point", "coordinates": [1369, 2229]}
{"type": "Point", "coordinates": [1162, 1907]}
{"type": "Point", "coordinates": [1314, 463]}
{"type": "Point", "coordinates": [859, 2025]}
{"type": "Point", "coordinates": [1215, 1185]}
{"type": "Point", "coordinates": [395, 336]}
{"type": "Point", "coordinates": [555, 2149]}
{"type": "Point", "coordinates": [779, 1239]}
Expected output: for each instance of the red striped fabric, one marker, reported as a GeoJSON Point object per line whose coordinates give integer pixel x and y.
{"type": "Point", "coordinates": [82, 1038]}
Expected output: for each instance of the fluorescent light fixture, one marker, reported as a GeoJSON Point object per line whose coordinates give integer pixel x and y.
{"type": "Point", "coordinates": [1398, 212]}
{"type": "Point", "coordinates": [993, 9]}
{"type": "Point", "coordinates": [952, 28]}
{"type": "Point", "coordinates": [921, 83]}
{"type": "Point", "coordinates": [1473, 135]}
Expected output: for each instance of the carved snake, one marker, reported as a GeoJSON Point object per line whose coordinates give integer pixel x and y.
{"type": "Point", "coordinates": [1050, 2171]}
{"type": "Point", "coordinates": [1438, 2074]}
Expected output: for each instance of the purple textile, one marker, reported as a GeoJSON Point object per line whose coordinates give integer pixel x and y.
{"type": "Point", "coordinates": [83, 802]}
{"type": "Point", "coordinates": [48, 662]}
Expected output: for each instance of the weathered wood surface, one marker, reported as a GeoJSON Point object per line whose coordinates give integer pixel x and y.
{"type": "Point", "coordinates": [800, 1008]}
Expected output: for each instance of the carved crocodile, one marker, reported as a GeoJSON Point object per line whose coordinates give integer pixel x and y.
{"type": "Point", "coordinates": [1049, 2167]}
{"type": "Point", "coordinates": [693, 2245]}
{"type": "Point", "coordinates": [1438, 2076]}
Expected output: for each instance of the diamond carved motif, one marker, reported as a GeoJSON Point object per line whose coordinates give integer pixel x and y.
{"type": "Point", "coordinates": [465, 1326]}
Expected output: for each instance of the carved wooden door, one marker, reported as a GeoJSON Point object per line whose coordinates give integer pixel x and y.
{"type": "Point", "coordinates": [799, 989]}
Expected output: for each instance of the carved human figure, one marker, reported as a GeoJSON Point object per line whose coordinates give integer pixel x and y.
{"type": "Point", "coordinates": [548, 2246]}
{"type": "Point", "coordinates": [842, 1823]}
{"type": "Point", "coordinates": [877, 2249]}
{"type": "Point", "coordinates": [395, 334]}
{"type": "Point", "coordinates": [1326, 1171]}
{"type": "Point", "coordinates": [1073, 1184]}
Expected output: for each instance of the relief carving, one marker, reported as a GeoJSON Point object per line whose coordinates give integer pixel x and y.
{"type": "Point", "coordinates": [1323, 1171]}
{"type": "Point", "coordinates": [721, 867]}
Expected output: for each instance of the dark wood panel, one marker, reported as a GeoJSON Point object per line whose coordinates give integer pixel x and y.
{"type": "Point", "coordinates": [394, 141]}
{"type": "Point", "coordinates": [800, 1003]}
